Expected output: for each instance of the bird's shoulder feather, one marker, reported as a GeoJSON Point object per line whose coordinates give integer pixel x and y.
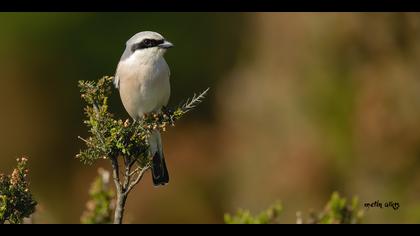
{"type": "Point", "coordinates": [116, 81]}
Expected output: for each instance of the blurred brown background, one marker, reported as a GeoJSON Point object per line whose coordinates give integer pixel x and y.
{"type": "Point", "coordinates": [301, 104]}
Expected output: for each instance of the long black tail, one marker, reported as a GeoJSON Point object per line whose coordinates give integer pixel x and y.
{"type": "Point", "coordinates": [160, 174]}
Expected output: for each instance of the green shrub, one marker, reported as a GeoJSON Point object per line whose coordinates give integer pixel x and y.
{"type": "Point", "coordinates": [336, 211]}
{"type": "Point", "coordinates": [16, 200]}
{"type": "Point", "coordinates": [101, 205]}
{"type": "Point", "coordinates": [269, 216]}
{"type": "Point", "coordinates": [123, 143]}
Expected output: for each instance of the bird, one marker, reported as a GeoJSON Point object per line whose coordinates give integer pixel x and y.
{"type": "Point", "coordinates": [142, 78]}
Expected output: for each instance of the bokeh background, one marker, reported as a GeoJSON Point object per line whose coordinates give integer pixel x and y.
{"type": "Point", "coordinates": [301, 105]}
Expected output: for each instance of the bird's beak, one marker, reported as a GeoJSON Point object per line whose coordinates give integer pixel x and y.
{"type": "Point", "coordinates": [166, 44]}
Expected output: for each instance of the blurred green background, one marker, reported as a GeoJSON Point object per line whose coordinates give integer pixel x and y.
{"type": "Point", "coordinates": [301, 104]}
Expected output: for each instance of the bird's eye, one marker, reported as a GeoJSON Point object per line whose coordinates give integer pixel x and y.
{"type": "Point", "coordinates": [147, 42]}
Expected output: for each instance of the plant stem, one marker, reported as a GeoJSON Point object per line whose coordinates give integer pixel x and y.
{"type": "Point", "coordinates": [119, 210]}
{"type": "Point", "coordinates": [121, 196]}
{"type": "Point", "coordinates": [123, 189]}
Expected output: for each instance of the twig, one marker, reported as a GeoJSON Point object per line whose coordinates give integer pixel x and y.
{"type": "Point", "coordinates": [127, 175]}
{"type": "Point", "coordinates": [194, 101]}
{"type": "Point", "coordinates": [140, 175]}
{"type": "Point", "coordinates": [84, 140]}
{"type": "Point", "coordinates": [135, 171]}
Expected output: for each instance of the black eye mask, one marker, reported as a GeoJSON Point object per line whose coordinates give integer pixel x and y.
{"type": "Point", "coordinates": [146, 43]}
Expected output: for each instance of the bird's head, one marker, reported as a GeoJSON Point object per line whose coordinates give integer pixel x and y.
{"type": "Point", "coordinates": [147, 45]}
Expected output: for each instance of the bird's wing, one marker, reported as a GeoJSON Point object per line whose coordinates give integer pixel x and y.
{"type": "Point", "coordinates": [117, 81]}
{"type": "Point", "coordinates": [168, 94]}
{"type": "Point", "coordinates": [166, 99]}
{"type": "Point", "coordinates": [119, 73]}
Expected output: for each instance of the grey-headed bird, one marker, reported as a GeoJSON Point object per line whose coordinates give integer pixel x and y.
{"type": "Point", "coordinates": [142, 78]}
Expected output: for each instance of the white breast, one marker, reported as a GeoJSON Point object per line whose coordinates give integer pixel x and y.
{"type": "Point", "coordinates": [144, 85]}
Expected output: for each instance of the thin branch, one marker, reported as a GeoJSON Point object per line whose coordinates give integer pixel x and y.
{"type": "Point", "coordinates": [128, 162]}
{"type": "Point", "coordinates": [127, 176]}
{"type": "Point", "coordinates": [194, 101]}
{"type": "Point", "coordinates": [132, 162]}
{"type": "Point", "coordinates": [96, 109]}
{"type": "Point", "coordinates": [99, 136]}
{"type": "Point", "coordinates": [139, 177]}
{"type": "Point", "coordinates": [135, 171]}
{"type": "Point", "coordinates": [116, 174]}
{"type": "Point", "coordinates": [84, 140]}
